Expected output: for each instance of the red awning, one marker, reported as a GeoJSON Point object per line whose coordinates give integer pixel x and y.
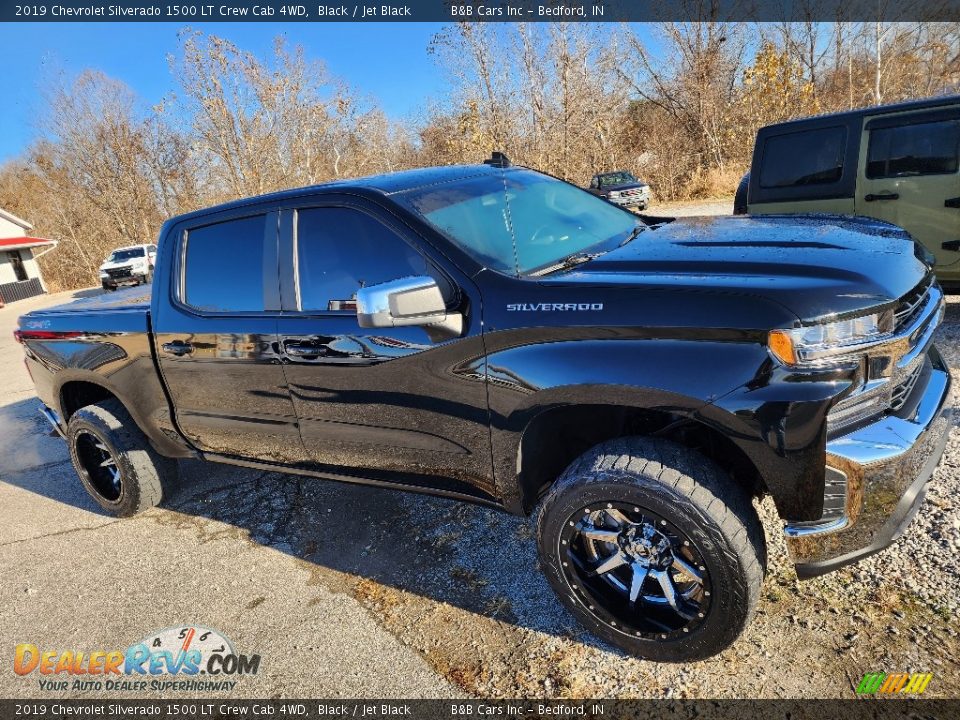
{"type": "Point", "coordinates": [19, 243]}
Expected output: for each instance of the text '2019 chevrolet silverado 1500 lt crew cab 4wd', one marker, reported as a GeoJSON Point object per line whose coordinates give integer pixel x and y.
{"type": "Point", "coordinates": [493, 334]}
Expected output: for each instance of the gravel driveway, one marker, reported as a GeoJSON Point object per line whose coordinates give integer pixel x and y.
{"type": "Point", "coordinates": [352, 591]}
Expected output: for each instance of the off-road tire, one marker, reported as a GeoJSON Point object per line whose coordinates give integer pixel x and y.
{"type": "Point", "coordinates": [143, 471]}
{"type": "Point", "coordinates": [695, 496]}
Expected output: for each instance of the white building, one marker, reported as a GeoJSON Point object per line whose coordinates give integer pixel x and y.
{"type": "Point", "coordinates": [19, 273]}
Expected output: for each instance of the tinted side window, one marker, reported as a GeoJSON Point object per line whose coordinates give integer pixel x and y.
{"type": "Point", "coordinates": [224, 266]}
{"type": "Point", "coordinates": [922, 149]}
{"type": "Point", "coordinates": [340, 250]}
{"type": "Point", "coordinates": [811, 157]}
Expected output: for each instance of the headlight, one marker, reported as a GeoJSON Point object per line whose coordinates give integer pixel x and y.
{"type": "Point", "coordinates": [104, 274]}
{"type": "Point", "coordinates": [815, 344]}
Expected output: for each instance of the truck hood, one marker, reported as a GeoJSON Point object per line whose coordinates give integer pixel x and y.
{"type": "Point", "coordinates": [625, 186]}
{"type": "Point", "coordinates": [813, 265]}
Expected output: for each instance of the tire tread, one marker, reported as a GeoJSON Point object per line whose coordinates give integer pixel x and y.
{"type": "Point", "coordinates": [699, 488]}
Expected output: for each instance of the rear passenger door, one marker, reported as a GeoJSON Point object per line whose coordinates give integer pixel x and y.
{"type": "Point", "coordinates": [909, 177]}
{"type": "Point", "coordinates": [399, 405]}
{"type": "Point", "coordinates": [216, 338]}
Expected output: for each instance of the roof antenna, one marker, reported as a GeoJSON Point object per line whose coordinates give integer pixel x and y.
{"type": "Point", "coordinates": [498, 159]}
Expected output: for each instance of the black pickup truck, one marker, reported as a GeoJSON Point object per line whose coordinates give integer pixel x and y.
{"type": "Point", "coordinates": [495, 335]}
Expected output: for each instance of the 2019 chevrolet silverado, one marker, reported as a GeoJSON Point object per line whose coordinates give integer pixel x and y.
{"type": "Point", "coordinates": [128, 266]}
{"type": "Point", "coordinates": [495, 335]}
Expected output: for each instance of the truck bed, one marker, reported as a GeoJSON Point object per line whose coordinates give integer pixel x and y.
{"type": "Point", "coordinates": [133, 298]}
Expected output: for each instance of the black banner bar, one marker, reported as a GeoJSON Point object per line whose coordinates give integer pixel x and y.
{"type": "Point", "coordinates": [221, 709]}
{"type": "Point", "coordinates": [190, 11]}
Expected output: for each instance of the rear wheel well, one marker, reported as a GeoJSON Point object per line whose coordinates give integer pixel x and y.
{"type": "Point", "coordinates": [557, 437]}
{"type": "Point", "coordinates": [77, 394]}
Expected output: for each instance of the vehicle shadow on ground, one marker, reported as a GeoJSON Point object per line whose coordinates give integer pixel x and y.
{"type": "Point", "coordinates": [34, 458]}
{"type": "Point", "coordinates": [478, 559]}
{"type": "Point", "coordinates": [87, 292]}
{"type": "Point", "coordinates": [475, 558]}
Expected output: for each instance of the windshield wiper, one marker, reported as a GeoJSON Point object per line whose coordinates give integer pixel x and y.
{"type": "Point", "coordinates": [578, 258]}
{"type": "Point", "coordinates": [566, 263]}
{"type": "Point", "coordinates": [640, 227]}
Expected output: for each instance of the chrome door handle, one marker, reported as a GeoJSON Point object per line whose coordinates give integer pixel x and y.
{"type": "Point", "coordinates": [302, 350]}
{"type": "Point", "coordinates": [177, 347]}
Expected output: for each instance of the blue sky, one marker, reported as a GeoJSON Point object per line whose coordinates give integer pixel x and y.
{"type": "Point", "coordinates": [388, 61]}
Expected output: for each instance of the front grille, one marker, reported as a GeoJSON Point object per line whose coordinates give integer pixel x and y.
{"type": "Point", "coordinates": [902, 391]}
{"type": "Point", "coordinates": [911, 304]}
{"type": "Point", "coordinates": [116, 273]}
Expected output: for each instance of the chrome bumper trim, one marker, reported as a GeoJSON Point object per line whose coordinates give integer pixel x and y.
{"type": "Point", "coordinates": [886, 466]}
{"type": "Point", "coordinates": [834, 517]}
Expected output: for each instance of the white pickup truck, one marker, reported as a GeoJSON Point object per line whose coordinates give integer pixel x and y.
{"type": "Point", "coordinates": [131, 265]}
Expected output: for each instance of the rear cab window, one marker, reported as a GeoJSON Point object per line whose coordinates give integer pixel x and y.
{"type": "Point", "coordinates": [223, 266]}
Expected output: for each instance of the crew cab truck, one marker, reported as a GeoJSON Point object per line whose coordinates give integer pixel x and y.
{"type": "Point", "coordinates": [621, 188]}
{"type": "Point", "coordinates": [897, 163]}
{"type": "Point", "coordinates": [495, 335]}
{"type": "Point", "coordinates": [128, 266]}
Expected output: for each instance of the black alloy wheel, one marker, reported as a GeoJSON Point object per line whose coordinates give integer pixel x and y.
{"type": "Point", "coordinates": [636, 571]}
{"type": "Point", "coordinates": [653, 548]}
{"type": "Point", "coordinates": [114, 460]}
{"type": "Point", "coordinates": [99, 466]}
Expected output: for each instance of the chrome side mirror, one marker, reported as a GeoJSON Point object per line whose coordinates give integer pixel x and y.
{"type": "Point", "coordinates": [407, 301]}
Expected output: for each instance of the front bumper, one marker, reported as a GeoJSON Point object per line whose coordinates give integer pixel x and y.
{"type": "Point", "coordinates": [877, 476]}
{"type": "Point", "coordinates": [122, 281]}
{"type": "Point", "coordinates": [630, 201]}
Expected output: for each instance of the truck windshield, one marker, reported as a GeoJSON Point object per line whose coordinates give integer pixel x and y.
{"type": "Point", "coordinates": [126, 254]}
{"type": "Point", "coordinates": [521, 221]}
{"type": "Point", "coordinates": [617, 178]}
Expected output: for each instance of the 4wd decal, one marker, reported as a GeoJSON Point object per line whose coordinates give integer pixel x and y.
{"type": "Point", "coordinates": [553, 307]}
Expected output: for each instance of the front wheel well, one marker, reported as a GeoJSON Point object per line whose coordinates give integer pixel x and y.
{"type": "Point", "coordinates": [557, 437]}
{"type": "Point", "coordinates": [77, 394]}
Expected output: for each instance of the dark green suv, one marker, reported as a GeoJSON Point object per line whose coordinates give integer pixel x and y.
{"type": "Point", "coordinates": [897, 163]}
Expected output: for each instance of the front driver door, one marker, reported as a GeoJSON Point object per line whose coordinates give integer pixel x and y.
{"type": "Point", "coordinates": [909, 177]}
{"type": "Point", "coordinates": [403, 405]}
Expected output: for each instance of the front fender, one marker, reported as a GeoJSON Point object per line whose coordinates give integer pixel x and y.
{"type": "Point", "coordinates": [776, 417]}
{"type": "Point", "coordinates": [673, 375]}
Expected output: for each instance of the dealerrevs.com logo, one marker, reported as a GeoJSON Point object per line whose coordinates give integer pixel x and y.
{"type": "Point", "coordinates": [188, 658]}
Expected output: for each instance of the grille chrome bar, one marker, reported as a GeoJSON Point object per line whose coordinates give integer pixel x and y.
{"type": "Point", "coordinates": [902, 391]}
{"type": "Point", "coordinates": [909, 304]}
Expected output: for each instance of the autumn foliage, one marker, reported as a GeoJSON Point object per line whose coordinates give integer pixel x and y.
{"type": "Point", "coordinates": [676, 103]}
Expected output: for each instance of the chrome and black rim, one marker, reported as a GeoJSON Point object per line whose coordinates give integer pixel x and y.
{"type": "Point", "coordinates": [635, 571]}
{"type": "Point", "coordinates": [99, 465]}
